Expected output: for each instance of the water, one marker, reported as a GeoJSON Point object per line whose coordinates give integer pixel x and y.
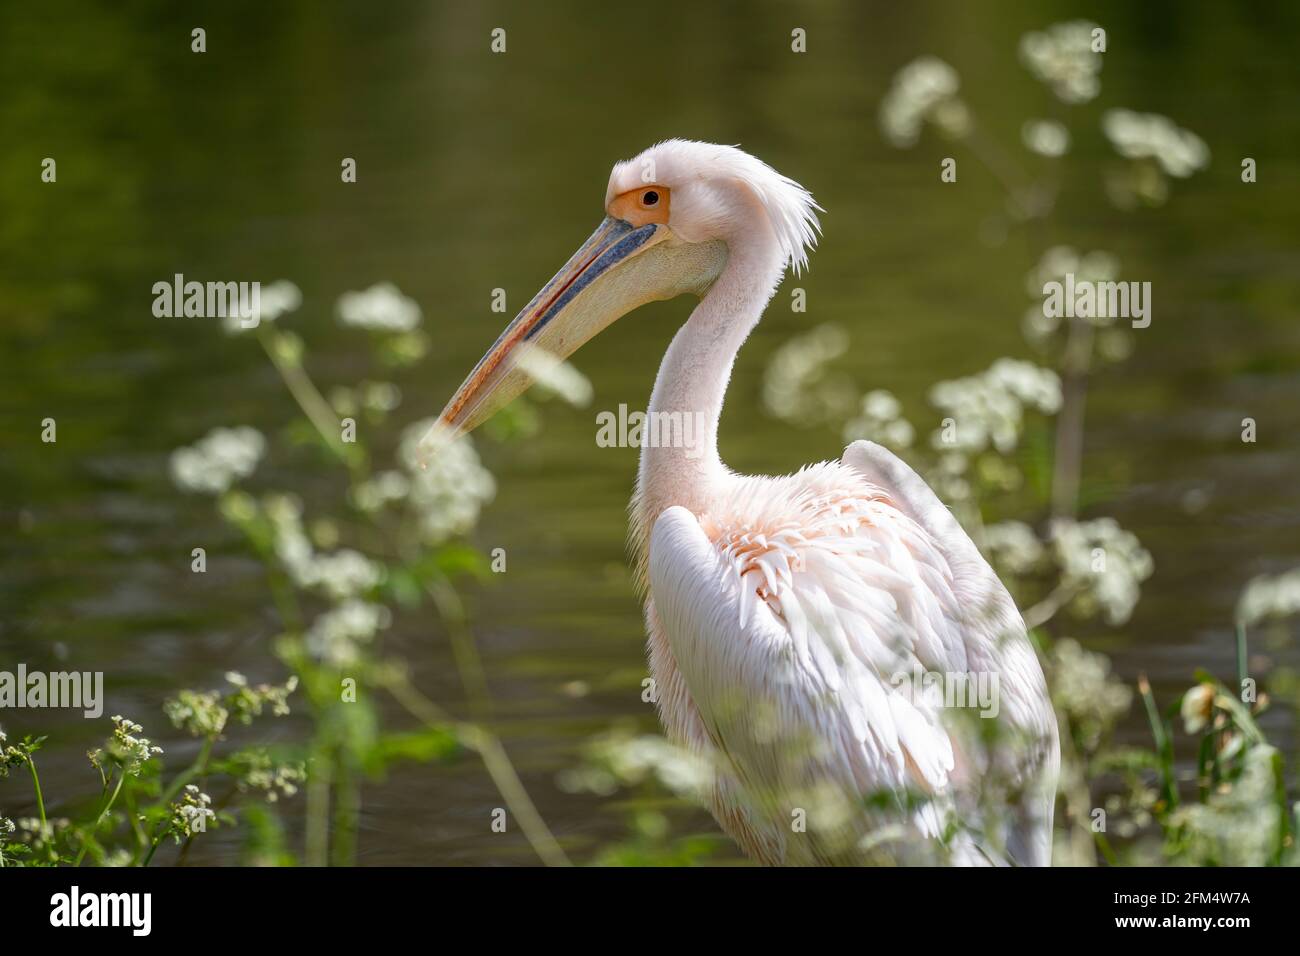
{"type": "Point", "coordinates": [478, 171]}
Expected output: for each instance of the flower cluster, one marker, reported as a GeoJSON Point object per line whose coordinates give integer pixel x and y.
{"type": "Point", "coordinates": [1014, 547]}
{"type": "Point", "coordinates": [880, 419]}
{"type": "Point", "coordinates": [192, 814]}
{"type": "Point", "coordinates": [218, 460]}
{"type": "Point", "coordinates": [381, 308]}
{"type": "Point", "coordinates": [336, 634]}
{"type": "Point", "coordinates": [1240, 823]}
{"type": "Point", "coordinates": [1270, 597]}
{"type": "Point", "coordinates": [247, 702]}
{"type": "Point", "coordinates": [1102, 562]}
{"type": "Point", "coordinates": [987, 410]}
{"type": "Point", "coordinates": [200, 714]}
{"type": "Point", "coordinates": [620, 759]}
{"type": "Point", "coordinates": [1159, 149]}
{"type": "Point", "coordinates": [377, 398]}
{"type": "Point", "coordinates": [274, 300]}
{"type": "Point", "coordinates": [1045, 137]}
{"type": "Point", "coordinates": [1152, 136]}
{"type": "Point", "coordinates": [797, 385]}
{"type": "Point", "coordinates": [16, 755]}
{"type": "Point", "coordinates": [1053, 266]}
{"type": "Point", "coordinates": [553, 375]}
{"type": "Point", "coordinates": [339, 575]}
{"type": "Point", "coordinates": [448, 486]}
{"type": "Point", "coordinates": [125, 748]}
{"type": "Point", "coordinates": [387, 487]}
{"type": "Point", "coordinates": [258, 770]}
{"type": "Point", "coordinates": [924, 90]}
{"type": "Point", "coordinates": [1063, 57]}
{"type": "Point", "coordinates": [1083, 688]}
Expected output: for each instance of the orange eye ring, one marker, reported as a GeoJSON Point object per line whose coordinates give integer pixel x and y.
{"type": "Point", "coordinates": [647, 204]}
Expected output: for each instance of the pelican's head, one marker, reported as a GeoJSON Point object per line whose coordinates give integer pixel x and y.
{"type": "Point", "coordinates": [673, 215]}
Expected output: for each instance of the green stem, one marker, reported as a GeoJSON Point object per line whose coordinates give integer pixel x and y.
{"type": "Point", "coordinates": [463, 647]}
{"type": "Point", "coordinates": [153, 847]}
{"type": "Point", "coordinates": [498, 765]}
{"type": "Point", "coordinates": [1046, 609]}
{"type": "Point", "coordinates": [313, 404]}
{"type": "Point", "coordinates": [1241, 656]}
{"type": "Point", "coordinates": [319, 782]}
{"type": "Point", "coordinates": [1163, 745]}
{"type": "Point", "coordinates": [121, 778]}
{"type": "Point", "coordinates": [347, 809]}
{"type": "Point", "coordinates": [36, 782]}
{"type": "Point", "coordinates": [199, 766]}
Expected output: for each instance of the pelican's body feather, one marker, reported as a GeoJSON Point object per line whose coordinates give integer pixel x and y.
{"type": "Point", "coordinates": [786, 626]}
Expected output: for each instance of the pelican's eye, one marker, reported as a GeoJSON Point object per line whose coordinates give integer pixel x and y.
{"type": "Point", "coordinates": [643, 205]}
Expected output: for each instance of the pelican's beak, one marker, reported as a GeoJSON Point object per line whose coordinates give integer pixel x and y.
{"type": "Point", "coordinates": [618, 269]}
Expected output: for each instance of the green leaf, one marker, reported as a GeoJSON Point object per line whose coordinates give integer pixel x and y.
{"type": "Point", "coordinates": [426, 745]}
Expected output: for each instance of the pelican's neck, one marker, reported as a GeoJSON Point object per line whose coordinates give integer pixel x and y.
{"type": "Point", "coordinates": [692, 383]}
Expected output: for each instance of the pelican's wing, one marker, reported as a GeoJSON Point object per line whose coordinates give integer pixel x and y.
{"type": "Point", "coordinates": [994, 633]}
{"type": "Point", "coordinates": [798, 650]}
{"type": "Point", "coordinates": [978, 588]}
{"type": "Point", "coordinates": [991, 628]}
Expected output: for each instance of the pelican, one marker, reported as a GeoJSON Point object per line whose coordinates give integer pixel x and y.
{"type": "Point", "coordinates": [804, 632]}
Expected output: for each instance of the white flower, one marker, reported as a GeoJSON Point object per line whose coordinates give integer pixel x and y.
{"type": "Point", "coordinates": [1197, 707]}
{"type": "Point", "coordinates": [880, 420]}
{"type": "Point", "coordinates": [1045, 137]}
{"type": "Point", "coordinates": [192, 815]}
{"type": "Point", "coordinates": [126, 748]}
{"type": "Point", "coordinates": [335, 635]}
{"type": "Point", "coordinates": [341, 574]}
{"type": "Point", "coordinates": [1062, 57]}
{"type": "Point", "coordinates": [381, 308]}
{"type": "Point", "coordinates": [1096, 266]}
{"type": "Point", "coordinates": [1053, 266]}
{"type": "Point", "coordinates": [797, 385]}
{"type": "Point", "coordinates": [1037, 387]}
{"type": "Point", "coordinates": [987, 410]}
{"type": "Point", "coordinates": [274, 300]}
{"type": "Point", "coordinates": [924, 90]}
{"type": "Point", "coordinates": [448, 484]}
{"type": "Point", "coordinates": [633, 759]}
{"type": "Point", "coordinates": [1270, 598]}
{"type": "Point", "coordinates": [374, 493]}
{"type": "Point", "coordinates": [1082, 686]}
{"type": "Point", "coordinates": [553, 375]}
{"type": "Point", "coordinates": [344, 573]}
{"type": "Point", "coordinates": [1240, 823]}
{"type": "Point", "coordinates": [1152, 136]}
{"type": "Point", "coordinates": [292, 546]}
{"type": "Point", "coordinates": [1105, 563]}
{"type": "Point", "coordinates": [218, 460]}
{"type": "Point", "coordinates": [1014, 546]}
{"type": "Point", "coordinates": [380, 396]}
